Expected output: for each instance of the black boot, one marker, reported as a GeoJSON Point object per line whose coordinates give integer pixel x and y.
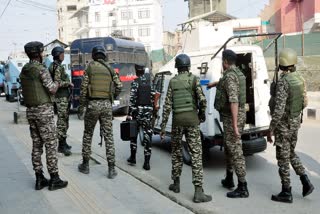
{"type": "Point", "coordinates": [62, 148]}
{"type": "Point", "coordinates": [146, 164]}
{"type": "Point", "coordinates": [56, 183]}
{"type": "Point", "coordinates": [240, 192]}
{"type": "Point", "coordinates": [84, 166]}
{"type": "Point", "coordinates": [199, 196]}
{"type": "Point", "coordinates": [132, 159]}
{"type": "Point", "coordinates": [41, 181]}
{"type": "Point", "coordinates": [307, 187]}
{"type": "Point", "coordinates": [284, 196]}
{"type": "Point", "coordinates": [175, 187]}
{"type": "Point", "coordinates": [112, 173]}
{"type": "Point", "coordinates": [228, 181]}
{"type": "Point", "coordinates": [67, 145]}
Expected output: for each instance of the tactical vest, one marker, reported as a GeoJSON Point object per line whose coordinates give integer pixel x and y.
{"type": "Point", "coordinates": [221, 102]}
{"type": "Point", "coordinates": [62, 92]}
{"type": "Point", "coordinates": [184, 100]}
{"type": "Point", "coordinates": [34, 93]}
{"type": "Point", "coordinates": [100, 81]}
{"type": "Point", "coordinates": [295, 100]}
{"type": "Point", "coordinates": [144, 92]}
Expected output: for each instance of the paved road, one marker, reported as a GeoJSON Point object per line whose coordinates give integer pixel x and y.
{"type": "Point", "coordinates": [263, 179]}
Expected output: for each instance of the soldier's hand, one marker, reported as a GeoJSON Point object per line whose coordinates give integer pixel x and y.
{"type": "Point", "coordinates": [162, 136]}
{"type": "Point", "coordinates": [269, 137]}
{"type": "Point", "coordinates": [71, 85]}
{"type": "Point", "coordinates": [128, 118]}
{"type": "Point", "coordinates": [237, 133]}
{"type": "Point", "coordinates": [202, 118]}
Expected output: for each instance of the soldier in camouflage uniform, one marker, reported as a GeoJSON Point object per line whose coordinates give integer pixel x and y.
{"type": "Point", "coordinates": [290, 100]}
{"type": "Point", "coordinates": [230, 102]}
{"type": "Point", "coordinates": [185, 97]}
{"type": "Point", "coordinates": [141, 110]}
{"type": "Point", "coordinates": [97, 94]}
{"type": "Point", "coordinates": [37, 89]}
{"type": "Point", "coordinates": [59, 75]}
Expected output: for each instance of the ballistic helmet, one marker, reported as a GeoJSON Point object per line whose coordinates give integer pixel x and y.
{"type": "Point", "coordinates": [230, 56]}
{"type": "Point", "coordinates": [33, 48]}
{"type": "Point", "coordinates": [99, 49]}
{"type": "Point", "coordinates": [182, 60]}
{"type": "Point", "coordinates": [57, 51]}
{"type": "Point", "coordinates": [287, 57]}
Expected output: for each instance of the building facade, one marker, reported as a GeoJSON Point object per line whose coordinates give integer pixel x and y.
{"type": "Point", "coordinates": [199, 7]}
{"type": "Point", "coordinates": [66, 26]}
{"type": "Point", "coordinates": [291, 16]}
{"type": "Point", "coordinates": [140, 20]}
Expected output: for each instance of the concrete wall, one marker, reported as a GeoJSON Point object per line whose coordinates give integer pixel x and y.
{"type": "Point", "coordinates": [198, 7]}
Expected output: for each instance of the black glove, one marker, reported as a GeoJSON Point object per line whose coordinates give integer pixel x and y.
{"type": "Point", "coordinates": [202, 116]}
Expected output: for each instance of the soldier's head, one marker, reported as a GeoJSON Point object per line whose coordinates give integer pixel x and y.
{"type": "Point", "coordinates": [98, 52]}
{"type": "Point", "coordinates": [182, 62]}
{"type": "Point", "coordinates": [229, 58]}
{"type": "Point", "coordinates": [58, 53]}
{"type": "Point", "coordinates": [139, 69]}
{"type": "Point", "coordinates": [34, 50]}
{"type": "Point", "coordinates": [287, 59]}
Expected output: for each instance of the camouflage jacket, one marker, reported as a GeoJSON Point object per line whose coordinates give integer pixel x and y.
{"type": "Point", "coordinates": [135, 109]}
{"type": "Point", "coordinates": [58, 70]}
{"type": "Point", "coordinates": [280, 119]}
{"type": "Point", "coordinates": [85, 83]}
{"type": "Point", "coordinates": [201, 100]}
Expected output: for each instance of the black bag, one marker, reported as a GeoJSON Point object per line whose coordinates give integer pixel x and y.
{"type": "Point", "coordinates": [128, 130]}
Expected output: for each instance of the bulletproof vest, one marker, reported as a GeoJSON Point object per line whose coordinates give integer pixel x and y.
{"type": "Point", "coordinates": [100, 81]}
{"type": "Point", "coordinates": [184, 100]}
{"type": "Point", "coordinates": [62, 92]}
{"type": "Point", "coordinates": [34, 93]}
{"type": "Point", "coordinates": [295, 100]}
{"type": "Point", "coordinates": [221, 102]}
{"type": "Point", "coordinates": [144, 92]}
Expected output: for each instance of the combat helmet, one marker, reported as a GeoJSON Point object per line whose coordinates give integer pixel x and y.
{"type": "Point", "coordinates": [98, 50]}
{"type": "Point", "coordinates": [287, 57]}
{"type": "Point", "coordinates": [57, 51]}
{"type": "Point", "coordinates": [33, 48]}
{"type": "Point", "coordinates": [182, 60]}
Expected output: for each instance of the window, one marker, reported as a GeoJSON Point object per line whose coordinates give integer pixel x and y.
{"type": "Point", "coordinates": [144, 14]}
{"type": "Point", "coordinates": [97, 16]}
{"type": "Point", "coordinates": [126, 15]}
{"type": "Point", "coordinates": [114, 23]}
{"type": "Point", "coordinates": [97, 33]}
{"type": "Point", "coordinates": [145, 31]}
{"type": "Point", "coordinates": [71, 7]}
{"type": "Point", "coordinates": [127, 32]}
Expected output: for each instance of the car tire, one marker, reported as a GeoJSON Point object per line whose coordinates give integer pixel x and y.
{"type": "Point", "coordinates": [253, 146]}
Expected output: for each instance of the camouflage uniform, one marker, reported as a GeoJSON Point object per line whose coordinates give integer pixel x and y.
{"type": "Point", "coordinates": [42, 127]}
{"type": "Point", "coordinates": [286, 133]}
{"type": "Point", "coordinates": [143, 114]}
{"type": "Point", "coordinates": [192, 134]}
{"type": "Point", "coordinates": [98, 109]}
{"type": "Point", "coordinates": [62, 101]}
{"type": "Point", "coordinates": [232, 144]}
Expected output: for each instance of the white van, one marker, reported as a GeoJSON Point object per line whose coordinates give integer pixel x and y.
{"type": "Point", "coordinates": [209, 69]}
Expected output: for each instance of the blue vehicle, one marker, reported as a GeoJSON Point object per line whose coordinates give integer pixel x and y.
{"type": "Point", "coordinates": [1, 79]}
{"type": "Point", "coordinates": [12, 70]}
{"type": "Point", "coordinates": [122, 56]}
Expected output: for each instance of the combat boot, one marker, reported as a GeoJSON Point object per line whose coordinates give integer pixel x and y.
{"type": "Point", "coordinates": [307, 187]}
{"type": "Point", "coordinates": [240, 192]}
{"type": "Point", "coordinates": [84, 166]}
{"type": "Point", "coordinates": [146, 164]}
{"type": "Point", "coordinates": [112, 173]}
{"type": "Point", "coordinates": [132, 159]}
{"type": "Point", "coordinates": [67, 145]}
{"type": "Point", "coordinates": [199, 196]}
{"type": "Point", "coordinates": [284, 196]}
{"type": "Point", "coordinates": [228, 181]}
{"type": "Point", "coordinates": [175, 187]}
{"type": "Point", "coordinates": [62, 148]}
{"type": "Point", "coordinates": [56, 183]}
{"type": "Point", "coordinates": [41, 181]}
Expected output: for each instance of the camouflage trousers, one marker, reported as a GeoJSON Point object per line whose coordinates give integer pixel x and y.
{"type": "Point", "coordinates": [285, 141]}
{"type": "Point", "coordinates": [144, 120]}
{"type": "Point", "coordinates": [99, 110]}
{"type": "Point", "coordinates": [42, 131]}
{"type": "Point", "coordinates": [192, 135]}
{"type": "Point", "coordinates": [233, 147]}
{"type": "Point", "coordinates": [63, 117]}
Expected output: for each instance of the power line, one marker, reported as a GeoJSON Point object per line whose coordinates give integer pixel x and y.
{"type": "Point", "coordinates": [5, 9]}
{"type": "Point", "coordinates": [37, 6]}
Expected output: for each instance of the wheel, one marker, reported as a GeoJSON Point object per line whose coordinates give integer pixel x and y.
{"type": "Point", "coordinates": [253, 146]}
{"type": "Point", "coordinates": [185, 153]}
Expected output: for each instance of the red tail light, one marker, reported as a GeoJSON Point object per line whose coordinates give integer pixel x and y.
{"type": "Point", "coordinates": [77, 73]}
{"type": "Point", "coordinates": [128, 78]}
